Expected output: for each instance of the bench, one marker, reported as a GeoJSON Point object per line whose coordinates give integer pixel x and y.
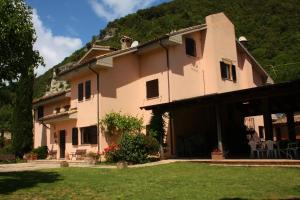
{"type": "Point", "coordinates": [80, 154]}
{"type": "Point", "coordinates": [52, 154]}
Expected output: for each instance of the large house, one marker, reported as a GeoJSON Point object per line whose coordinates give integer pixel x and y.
{"type": "Point", "coordinates": [198, 61]}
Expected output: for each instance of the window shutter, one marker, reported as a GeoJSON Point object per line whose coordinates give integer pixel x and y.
{"type": "Point", "coordinates": [223, 70]}
{"type": "Point", "coordinates": [74, 136]}
{"type": "Point", "coordinates": [80, 91]}
{"type": "Point", "coordinates": [93, 135]}
{"type": "Point", "coordinates": [233, 73]}
{"type": "Point", "coordinates": [87, 89]}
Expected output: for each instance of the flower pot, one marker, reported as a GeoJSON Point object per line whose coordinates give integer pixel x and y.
{"type": "Point", "coordinates": [90, 160]}
{"type": "Point", "coordinates": [217, 156]}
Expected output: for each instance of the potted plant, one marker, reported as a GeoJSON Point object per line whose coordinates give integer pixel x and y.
{"type": "Point", "coordinates": [31, 156]}
{"type": "Point", "coordinates": [92, 157]}
{"type": "Point", "coordinates": [217, 154]}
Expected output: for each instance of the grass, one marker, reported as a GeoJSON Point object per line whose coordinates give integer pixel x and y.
{"type": "Point", "coordinates": [170, 181]}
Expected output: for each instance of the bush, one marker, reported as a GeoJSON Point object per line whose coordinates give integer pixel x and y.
{"type": "Point", "coordinates": [41, 152]}
{"type": "Point", "coordinates": [116, 123]}
{"type": "Point", "coordinates": [93, 155]}
{"type": "Point", "coordinates": [132, 148]}
{"type": "Point", "coordinates": [111, 153]}
{"type": "Point", "coordinates": [7, 150]}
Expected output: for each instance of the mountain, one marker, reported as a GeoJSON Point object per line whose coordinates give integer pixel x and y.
{"type": "Point", "coordinates": [271, 26]}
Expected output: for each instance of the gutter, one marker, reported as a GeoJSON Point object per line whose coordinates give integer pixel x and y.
{"type": "Point", "coordinates": [98, 108]}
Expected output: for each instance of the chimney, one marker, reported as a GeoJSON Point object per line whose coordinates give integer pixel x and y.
{"type": "Point", "coordinates": [125, 42]}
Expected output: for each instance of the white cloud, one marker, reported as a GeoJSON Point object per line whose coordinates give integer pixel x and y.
{"type": "Point", "coordinates": [112, 9]}
{"type": "Point", "coordinates": [52, 48]}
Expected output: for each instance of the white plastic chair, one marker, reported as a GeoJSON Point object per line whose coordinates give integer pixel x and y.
{"type": "Point", "coordinates": [271, 152]}
{"type": "Point", "coordinates": [254, 150]}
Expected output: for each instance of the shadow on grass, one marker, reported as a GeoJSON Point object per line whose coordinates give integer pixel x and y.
{"type": "Point", "coordinates": [13, 181]}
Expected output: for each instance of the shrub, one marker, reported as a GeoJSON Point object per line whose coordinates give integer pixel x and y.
{"type": "Point", "coordinates": [7, 150]}
{"type": "Point", "coordinates": [93, 155]}
{"type": "Point", "coordinates": [115, 123]}
{"type": "Point", "coordinates": [132, 148]}
{"type": "Point", "coordinates": [41, 152]}
{"type": "Point", "coordinates": [111, 153]}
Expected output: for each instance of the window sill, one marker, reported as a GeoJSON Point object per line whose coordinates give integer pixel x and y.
{"type": "Point", "coordinates": [88, 145]}
{"type": "Point", "coordinates": [190, 56]}
{"type": "Point", "coordinates": [152, 98]}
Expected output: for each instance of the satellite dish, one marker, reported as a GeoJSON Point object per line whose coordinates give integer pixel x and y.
{"type": "Point", "coordinates": [243, 39]}
{"type": "Point", "coordinates": [134, 44]}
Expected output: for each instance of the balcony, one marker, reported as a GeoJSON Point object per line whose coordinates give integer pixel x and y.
{"type": "Point", "coordinates": [60, 114]}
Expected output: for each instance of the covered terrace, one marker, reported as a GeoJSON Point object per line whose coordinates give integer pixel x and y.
{"type": "Point", "coordinates": [201, 124]}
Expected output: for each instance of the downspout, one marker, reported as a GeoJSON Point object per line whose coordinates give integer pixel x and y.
{"type": "Point", "coordinates": [169, 93]}
{"type": "Point", "coordinates": [98, 118]}
{"type": "Point", "coordinates": [168, 67]}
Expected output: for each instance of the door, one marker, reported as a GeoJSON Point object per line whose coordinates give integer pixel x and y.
{"type": "Point", "coordinates": [62, 143]}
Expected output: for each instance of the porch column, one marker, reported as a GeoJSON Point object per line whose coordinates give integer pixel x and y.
{"type": "Point", "coordinates": [278, 133]}
{"type": "Point", "coordinates": [219, 128]}
{"type": "Point", "coordinates": [291, 125]}
{"type": "Point", "coordinates": [267, 120]}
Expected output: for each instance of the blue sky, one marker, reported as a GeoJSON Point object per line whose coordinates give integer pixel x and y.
{"type": "Point", "coordinates": [63, 26]}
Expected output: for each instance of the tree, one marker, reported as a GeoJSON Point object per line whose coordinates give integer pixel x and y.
{"type": "Point", "coordinates": [17, 37]}
{"type": "Point", "coordinates": [17, 63]}
{"type": "Point", "coordinates": [22, 125]}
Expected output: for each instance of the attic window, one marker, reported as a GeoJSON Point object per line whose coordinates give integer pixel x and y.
{"type": "Point", "coordinates": [228, 70]}
{"type": "Point", "coordinates": [190, 47]}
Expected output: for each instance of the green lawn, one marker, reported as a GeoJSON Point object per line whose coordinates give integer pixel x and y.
{"type": "Point", "coordinates": [171, 181]}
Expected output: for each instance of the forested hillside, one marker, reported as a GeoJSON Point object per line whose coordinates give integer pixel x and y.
{"type": "Point", "coordinates": [272, 28]}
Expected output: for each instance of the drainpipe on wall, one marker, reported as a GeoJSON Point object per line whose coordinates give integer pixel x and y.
{"type": "Point", "coordinates": [169, 93]}
{"type": "Point", "coordinates": [98, 118]}
{"type": "Point", "coordinates": [168, 67]}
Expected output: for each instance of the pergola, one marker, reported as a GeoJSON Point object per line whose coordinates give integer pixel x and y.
{"type": "Point", "coordinates": [264, 100]}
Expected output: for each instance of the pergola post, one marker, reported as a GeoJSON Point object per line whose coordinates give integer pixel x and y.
{"type": "Point", "coordinates": [267, 120]}
{"type": "Point", "coordinates": [219, 128]}
{"type": "Point", "coordinates": [291, 126]}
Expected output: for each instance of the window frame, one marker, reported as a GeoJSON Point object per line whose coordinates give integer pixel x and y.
{"type": "Point", "coordinates": [230, 70]}
{"type": "Point", "coordinates": [155, 94]}
{"type": "Point", "coordinates": [190, 41]}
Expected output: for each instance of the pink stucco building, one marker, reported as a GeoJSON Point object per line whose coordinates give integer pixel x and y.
{"type": "Point", "coordinates": [197, 61]}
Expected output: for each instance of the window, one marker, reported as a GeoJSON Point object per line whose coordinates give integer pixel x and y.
{"type": "Point", "coordinates": [40, 112]}
{"type": "Point", "coordinates": [74, 136]}
{"type": "Point", "coordinates": [87, 89]}
{"type": "Point", "coordinates": [190, 47]}
{"type": "Point", "coordinates": [228, 71]}
{"type": "Point", "coordinates": [80, 91]}
{"type": "Point", "coordinates": [152, 89]}
{"type": "Point", "coordinates": [89, 135]}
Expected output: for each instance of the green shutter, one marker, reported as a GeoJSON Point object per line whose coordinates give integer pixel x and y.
{"type": "Point", "coordinates": [233, 73]}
